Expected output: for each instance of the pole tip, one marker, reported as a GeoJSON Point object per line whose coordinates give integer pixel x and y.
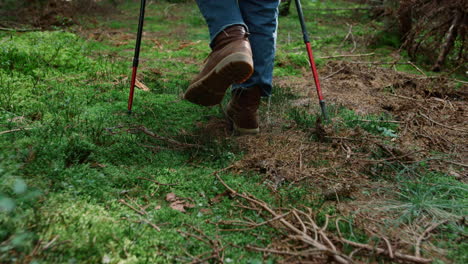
{"type": "Point", "coordinates": [129, 112]}
{"type": "Point", "coordinates": [324, 110]}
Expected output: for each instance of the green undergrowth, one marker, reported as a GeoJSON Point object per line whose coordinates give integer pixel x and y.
{"type": "Point", "coordinates": [342, 118]}
{"type": "Point", "coordinates": [73, 159]}
{"type": "Point", "coordinates": [426, 197]}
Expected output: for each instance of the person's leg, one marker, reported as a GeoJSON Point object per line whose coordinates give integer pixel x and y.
{"type": "Point", "coordinates": [231, 58]}
{"type": "Point", "coordinates": [261, 18]}
{"type": "Point", "coordinates": [219, 15]}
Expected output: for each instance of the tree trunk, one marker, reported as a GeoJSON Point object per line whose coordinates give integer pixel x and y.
{"type": "Point", "coordinates": [284, 7]}
{"type": "Point", "coordinates": [449, 41]}
{"type": "Point", "coordinates": [405, 18]}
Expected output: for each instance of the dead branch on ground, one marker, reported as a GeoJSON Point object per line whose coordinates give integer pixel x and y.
{"type": "Point", "coordinates": [301, 227]}
{"type": "Point", "coordinates": [217, 248]}
{"type": "Point", "coordinates": [170, 141]}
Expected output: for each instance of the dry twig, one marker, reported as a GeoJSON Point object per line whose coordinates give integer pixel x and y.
{"type": "Point", "coordinates": [312, 235]}
{"type": "Point", "coordinates": [347, 55]}
{"type": "Point", "coordinates": [217, 252]}
{"type": "Point", "coordinates": [168, 140]}
{"type": "Point", "coordinates": [417, 250]}
{"type": "Point", "coordinates": [122, 201]}
{"type": "Point", "coordinates": [442, 125]}
{"type": "Point", "coordinates": [158, 183]}
{"type": "Point", "coordinates": [15, 130]}
{"type": "Point", "coordinates": [300, 235]}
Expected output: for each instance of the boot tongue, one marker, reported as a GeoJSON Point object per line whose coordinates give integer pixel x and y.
{"type": "Point", "coordinates": [229, 35]}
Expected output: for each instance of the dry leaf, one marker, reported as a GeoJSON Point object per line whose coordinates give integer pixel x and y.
{"type": "Point", "coordinates": [183, 45]}
{"type": "Point", "coordinates": [141, 86]}
{"type": "Point", "coordinates": [97, 165]}
{"type": "Point", "coordinates": [171, 197]}
{"type": "Point", "coordinates": [120, 79]}
{"type": "Point", "coordinates": [120, 43]}
{"type": "Point", "coordinates": [157, 44]}
{"type": "Point", "coordinates": [156, 71]}
{"type": "Point", "coordinates": [178, 203]}
{"type": "Point", "coordinates": [219, 197]}
{"type": "Point", "coordinates": [206, 211]}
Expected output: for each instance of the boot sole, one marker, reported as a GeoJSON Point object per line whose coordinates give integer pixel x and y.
{"type": "Point", "coordinates": [238, 130]}
{"type": "Point", "coordinates": [245, 131]}
{"type": "Point", "coordinates": [210, 90]}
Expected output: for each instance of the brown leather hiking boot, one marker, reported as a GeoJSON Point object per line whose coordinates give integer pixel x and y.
{"type": "Point", "coordinates": [229, 62]}
{"type": "Point", "coordinates": [242, 110]}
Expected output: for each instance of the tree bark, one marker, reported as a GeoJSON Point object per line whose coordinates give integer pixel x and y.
{"type": "Point", "coordinates": [449, 41]}
{"type": "Point", "coordinates": [284, 7]}
{"type": "Point", "coordinates": [405, 18]}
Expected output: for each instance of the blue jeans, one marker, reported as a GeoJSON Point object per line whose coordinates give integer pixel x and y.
{"type": "Point", "coordinates": [260, 18]}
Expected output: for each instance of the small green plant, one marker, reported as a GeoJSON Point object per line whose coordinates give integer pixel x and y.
{"type": "Point", "coordinates": [342, 118]}
{"type": "Point", "coordinates": [18, 202]}
{"type": "Point", "coordinates": [432, 195]}
{"type": "Point", "coordinates": [374, 124]}
{"type": "Point", "coordinates": [302, 118]}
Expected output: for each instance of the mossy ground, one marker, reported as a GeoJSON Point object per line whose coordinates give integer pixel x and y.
{"type": "Point", "coordinates": [72, 160]}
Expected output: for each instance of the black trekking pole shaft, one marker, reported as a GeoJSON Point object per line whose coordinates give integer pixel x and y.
{"type": "Point", "coordinates": [311, 59]}
{"type": "Point", "coordinates": [305, 34]}
{"type": "Point", "coordinates": [136, 57]}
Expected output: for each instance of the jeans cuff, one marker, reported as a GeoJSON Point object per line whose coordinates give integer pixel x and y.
{"type": "Point", "coordinates": [224, 27]}
{"type": "Point", "coordinates": [265, 90]}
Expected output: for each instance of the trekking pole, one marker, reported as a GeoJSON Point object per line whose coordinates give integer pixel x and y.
{"type": "Point", "coordinates": [311, 59]}
{"type": "Point", "coordinates": [137, 55]}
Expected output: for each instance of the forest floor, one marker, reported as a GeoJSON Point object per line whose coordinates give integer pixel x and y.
{"type": "Point", "coordinates": [384, 180]}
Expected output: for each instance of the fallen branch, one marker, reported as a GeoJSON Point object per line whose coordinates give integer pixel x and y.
{"type": "Point", "coordinates": [350, 34]}
{"type": "Point", "coordinates": [151, 224]}
{"type": "Point", "coordinates": [442, 125]}
{"type": "Point", "coordinates": [380, 251]}
{"type": "Point", "coordinates": [332, 74]}
{"type": "Point", "coordinates": [347, 55]}
{"type": "Point", "coordinates": [122, 201]}
{"type": "Point", "coordinates": [158, 183]}
{"type": "Point", "coordinates": [252, 225]}
{"type": "Point", "coordinates": [403, 97]}
{"type": "Point", "coordinates": [168, 140]}
{"type": "Point", "coordinates": [417, 250]}
{"type": "Point", "coordinates": [417, 68]}
{"type": "Point", "coordinates": [392, 158]}
{"type": "Point", "coordinates": [457, 163]}
{"type": "Point", "coordinates": [20, 29]}
{"type": "Point", "coordinates": [299, 234]}
{"type": "Point", "coordinates": [217, 248]}
{"type": "Point", "coordinates": [319, 240]}
{"type": "Point", "coordinates": [379, 62]}
{"type": "Point", "coordinates": [304, 253]}
{"type": "Point", "coordinates": [380, 121]}
{"type": "Point", "coordinates": [143, 221]}
{"type": "Point", "coordinates": [15, 130]}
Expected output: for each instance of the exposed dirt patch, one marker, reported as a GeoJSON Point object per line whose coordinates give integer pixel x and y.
{"type": "Point", "coordinates": [54, 13]}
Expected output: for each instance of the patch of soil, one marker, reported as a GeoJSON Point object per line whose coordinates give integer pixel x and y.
{"type": "Point", "coordinates": [55, 13]}
{"type": "Point", "coordinates": [433, 111]}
